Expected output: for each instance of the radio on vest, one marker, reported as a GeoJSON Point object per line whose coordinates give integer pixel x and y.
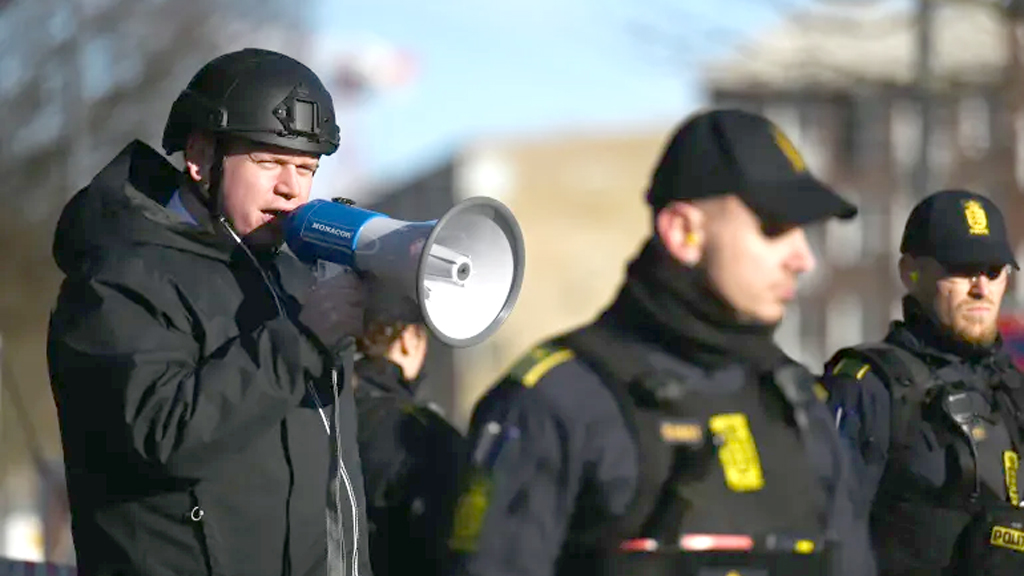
{"type": "Point", "coordinates": [464, 270]}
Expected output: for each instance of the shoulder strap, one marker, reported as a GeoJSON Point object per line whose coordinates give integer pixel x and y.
{"type": "Point", "coordinates": [611, 358]}
{"type": "Point", "coordinates": [1009, 396]}
{"type": "Point", "coordinates": [608, 358]}
{"type": "Point", "coordinates": [624, 366]}
{"type": "Point", "coordinates": [530, 368]}
{"type": "Point", "coordinates": [906, 376]}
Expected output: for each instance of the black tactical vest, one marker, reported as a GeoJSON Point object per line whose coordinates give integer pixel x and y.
{"type": "Point", "coordinates": [726, 480]}
{"type": "Point", "coordinates": [971, 524]}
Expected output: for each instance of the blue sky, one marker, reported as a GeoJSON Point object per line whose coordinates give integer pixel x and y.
{"type": "Point", "coordinates": [505, 67]}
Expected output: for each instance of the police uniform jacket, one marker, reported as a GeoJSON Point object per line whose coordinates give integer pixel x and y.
{"type": "Point", "coordinates": [411, 459]}
{"type": "Point", "coordinates": [558, 472]}
{"type": "Point", "coordinates": [913, 481]}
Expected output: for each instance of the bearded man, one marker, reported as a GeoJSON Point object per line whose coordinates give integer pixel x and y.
{"type": "Point", "coordinates": [932, 413]}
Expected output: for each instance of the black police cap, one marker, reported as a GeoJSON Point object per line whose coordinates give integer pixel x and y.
{"type": "Point", "coordinates": [959, 229]}
{"type": "Point", "coordinates": [729, 151]}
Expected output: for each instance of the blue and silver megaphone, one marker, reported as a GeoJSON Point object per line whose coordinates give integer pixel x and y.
{"type": "Point", "coordinates": [464, 270]}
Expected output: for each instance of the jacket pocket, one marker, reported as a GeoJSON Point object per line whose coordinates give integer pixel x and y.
{"type": "Point", "coordinates": [196, 518]}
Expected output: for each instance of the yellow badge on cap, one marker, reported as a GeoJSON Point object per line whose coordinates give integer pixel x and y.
{"type": "Point", "coordinates": [977, 220]}
{"type": "Point", "coordinates": [784, 144]}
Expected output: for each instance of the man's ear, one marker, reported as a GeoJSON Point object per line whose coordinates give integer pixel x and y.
{"type": "Point", "coordinates": [910, 273]}
{"type": "Point", "coordinates": [199, 152]}
{"type": "Point", "coordinates": [409, 338]}
{"type": "Point", "coordinates": [681, 226]}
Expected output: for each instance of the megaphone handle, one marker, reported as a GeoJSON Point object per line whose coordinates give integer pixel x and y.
{"type": "Point", "coordinates": [326, 270]}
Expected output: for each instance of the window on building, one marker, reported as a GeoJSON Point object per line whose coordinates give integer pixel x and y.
{"type": "Point", "coordinates": [787, 117]}
{"type": "Point", "coordinates": [876, 237]}
{"type": "Point", "coordinates": [1018, 285]}
{"type": "Point", "coordinates": [789, 335]}
{"type": "Point", "coordinates": [1018, 140]}
{"type": "Point", "coordinates": [941, 148]}
{"type": "Point", "coordinates": [812, 281]}
{"type": "Point", "coordinates": [905, 135]}
{"type": "Point", "coordinates": [973, 119]}
{"type": "Point", "coordinates": [844, 321]}
{"type": "Point", "coordinates": [805, 124]}
{"type": "Point", "coordinates": [900, 205]}
{"type": "Point", "coordinates": [896, 309]}
{"type": "Point", "coordinates": [863, 131]}
{"type": "Point", "coordinates": [845, 239]}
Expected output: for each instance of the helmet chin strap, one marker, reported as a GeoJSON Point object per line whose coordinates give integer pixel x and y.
{"type": "Point", "coordinates": [215, 192]}
{"type": "Point", "coordinates": [210, 194]}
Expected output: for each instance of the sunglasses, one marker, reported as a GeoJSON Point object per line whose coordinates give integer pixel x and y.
{"type": "Point", "coordinates": [973, 271]}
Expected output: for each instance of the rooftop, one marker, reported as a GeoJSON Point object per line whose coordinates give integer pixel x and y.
{"type": "Point", "coordinates": [872, 42]}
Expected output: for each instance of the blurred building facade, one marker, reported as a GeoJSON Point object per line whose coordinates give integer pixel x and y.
{"type": "Point", "coordinates": [841, 84]}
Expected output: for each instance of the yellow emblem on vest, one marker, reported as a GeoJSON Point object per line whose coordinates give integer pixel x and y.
{"type": "Point", "coordinates": [738, 452]}
{"type": "Point", "coordinates": [787, 148]}
{"type": "Point", "coordinates": [1007, 538]}
{"type": "Point", "coordinates": [977, 220]}
{"type": "Point", "coordinates": [469, 513]}
{"type": "Point", "coordinates": [681, 432]}
{"type": "Point", "coordinates": [537, 363]}
{"type": "Point", "coordinates": [1011, 463]}
{"type": "Point", "coordinates": [803, 546]}
{"type": "Point", "coordinates": [820, 391]}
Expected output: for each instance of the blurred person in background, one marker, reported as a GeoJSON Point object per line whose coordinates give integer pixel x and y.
{"type": "Point", "coordinates": [672, 432]}
{"type": "Point", "coordinates": [198, 370]}
{"type": "Point", "coordinates": [410, 453]}
{"type": "Point", "coordinates": [933, 412]}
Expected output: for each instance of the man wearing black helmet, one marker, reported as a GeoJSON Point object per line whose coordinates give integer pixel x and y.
{"type": "Point", "coordinates": [198, 369]}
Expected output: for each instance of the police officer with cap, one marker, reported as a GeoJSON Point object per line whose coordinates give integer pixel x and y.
{"type": "Point", "coordinates": [411, 455]}
{"type": "Point", "coordinates": [933, 410]}
{"type": "Point", "coordinates": [198, 370]}
{"type": "Point", "coordinates": [671, 435]}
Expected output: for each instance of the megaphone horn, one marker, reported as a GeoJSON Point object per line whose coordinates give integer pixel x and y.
{"type": "Point", "coordinates": [464, 270]}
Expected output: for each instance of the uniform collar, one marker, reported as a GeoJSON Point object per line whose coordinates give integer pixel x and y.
{"type": "Point", "coordinates": [385, 377]}
{"type": "Point", "coordinates": [919, 334]}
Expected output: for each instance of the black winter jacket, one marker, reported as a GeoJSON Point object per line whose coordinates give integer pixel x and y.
{"type": "Point", "coordinates": [411, 463]}
{"type": "Point", "coordinates": [193, 407]}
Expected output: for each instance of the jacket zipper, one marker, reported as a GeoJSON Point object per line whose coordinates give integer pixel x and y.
{"type": "Point", "coordinates": [195, 516]}
{"type": "Point", "coordinates": [343, 472]}
{"type": "Point", "coordinates": [348, 486]}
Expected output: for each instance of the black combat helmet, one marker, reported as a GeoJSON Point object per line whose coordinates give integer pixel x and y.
{"type": "Point", "coordinates": [258, 94]}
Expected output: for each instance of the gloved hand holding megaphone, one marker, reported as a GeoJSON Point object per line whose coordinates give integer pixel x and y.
{"type": "Point", "coordinates": [464, 270]}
